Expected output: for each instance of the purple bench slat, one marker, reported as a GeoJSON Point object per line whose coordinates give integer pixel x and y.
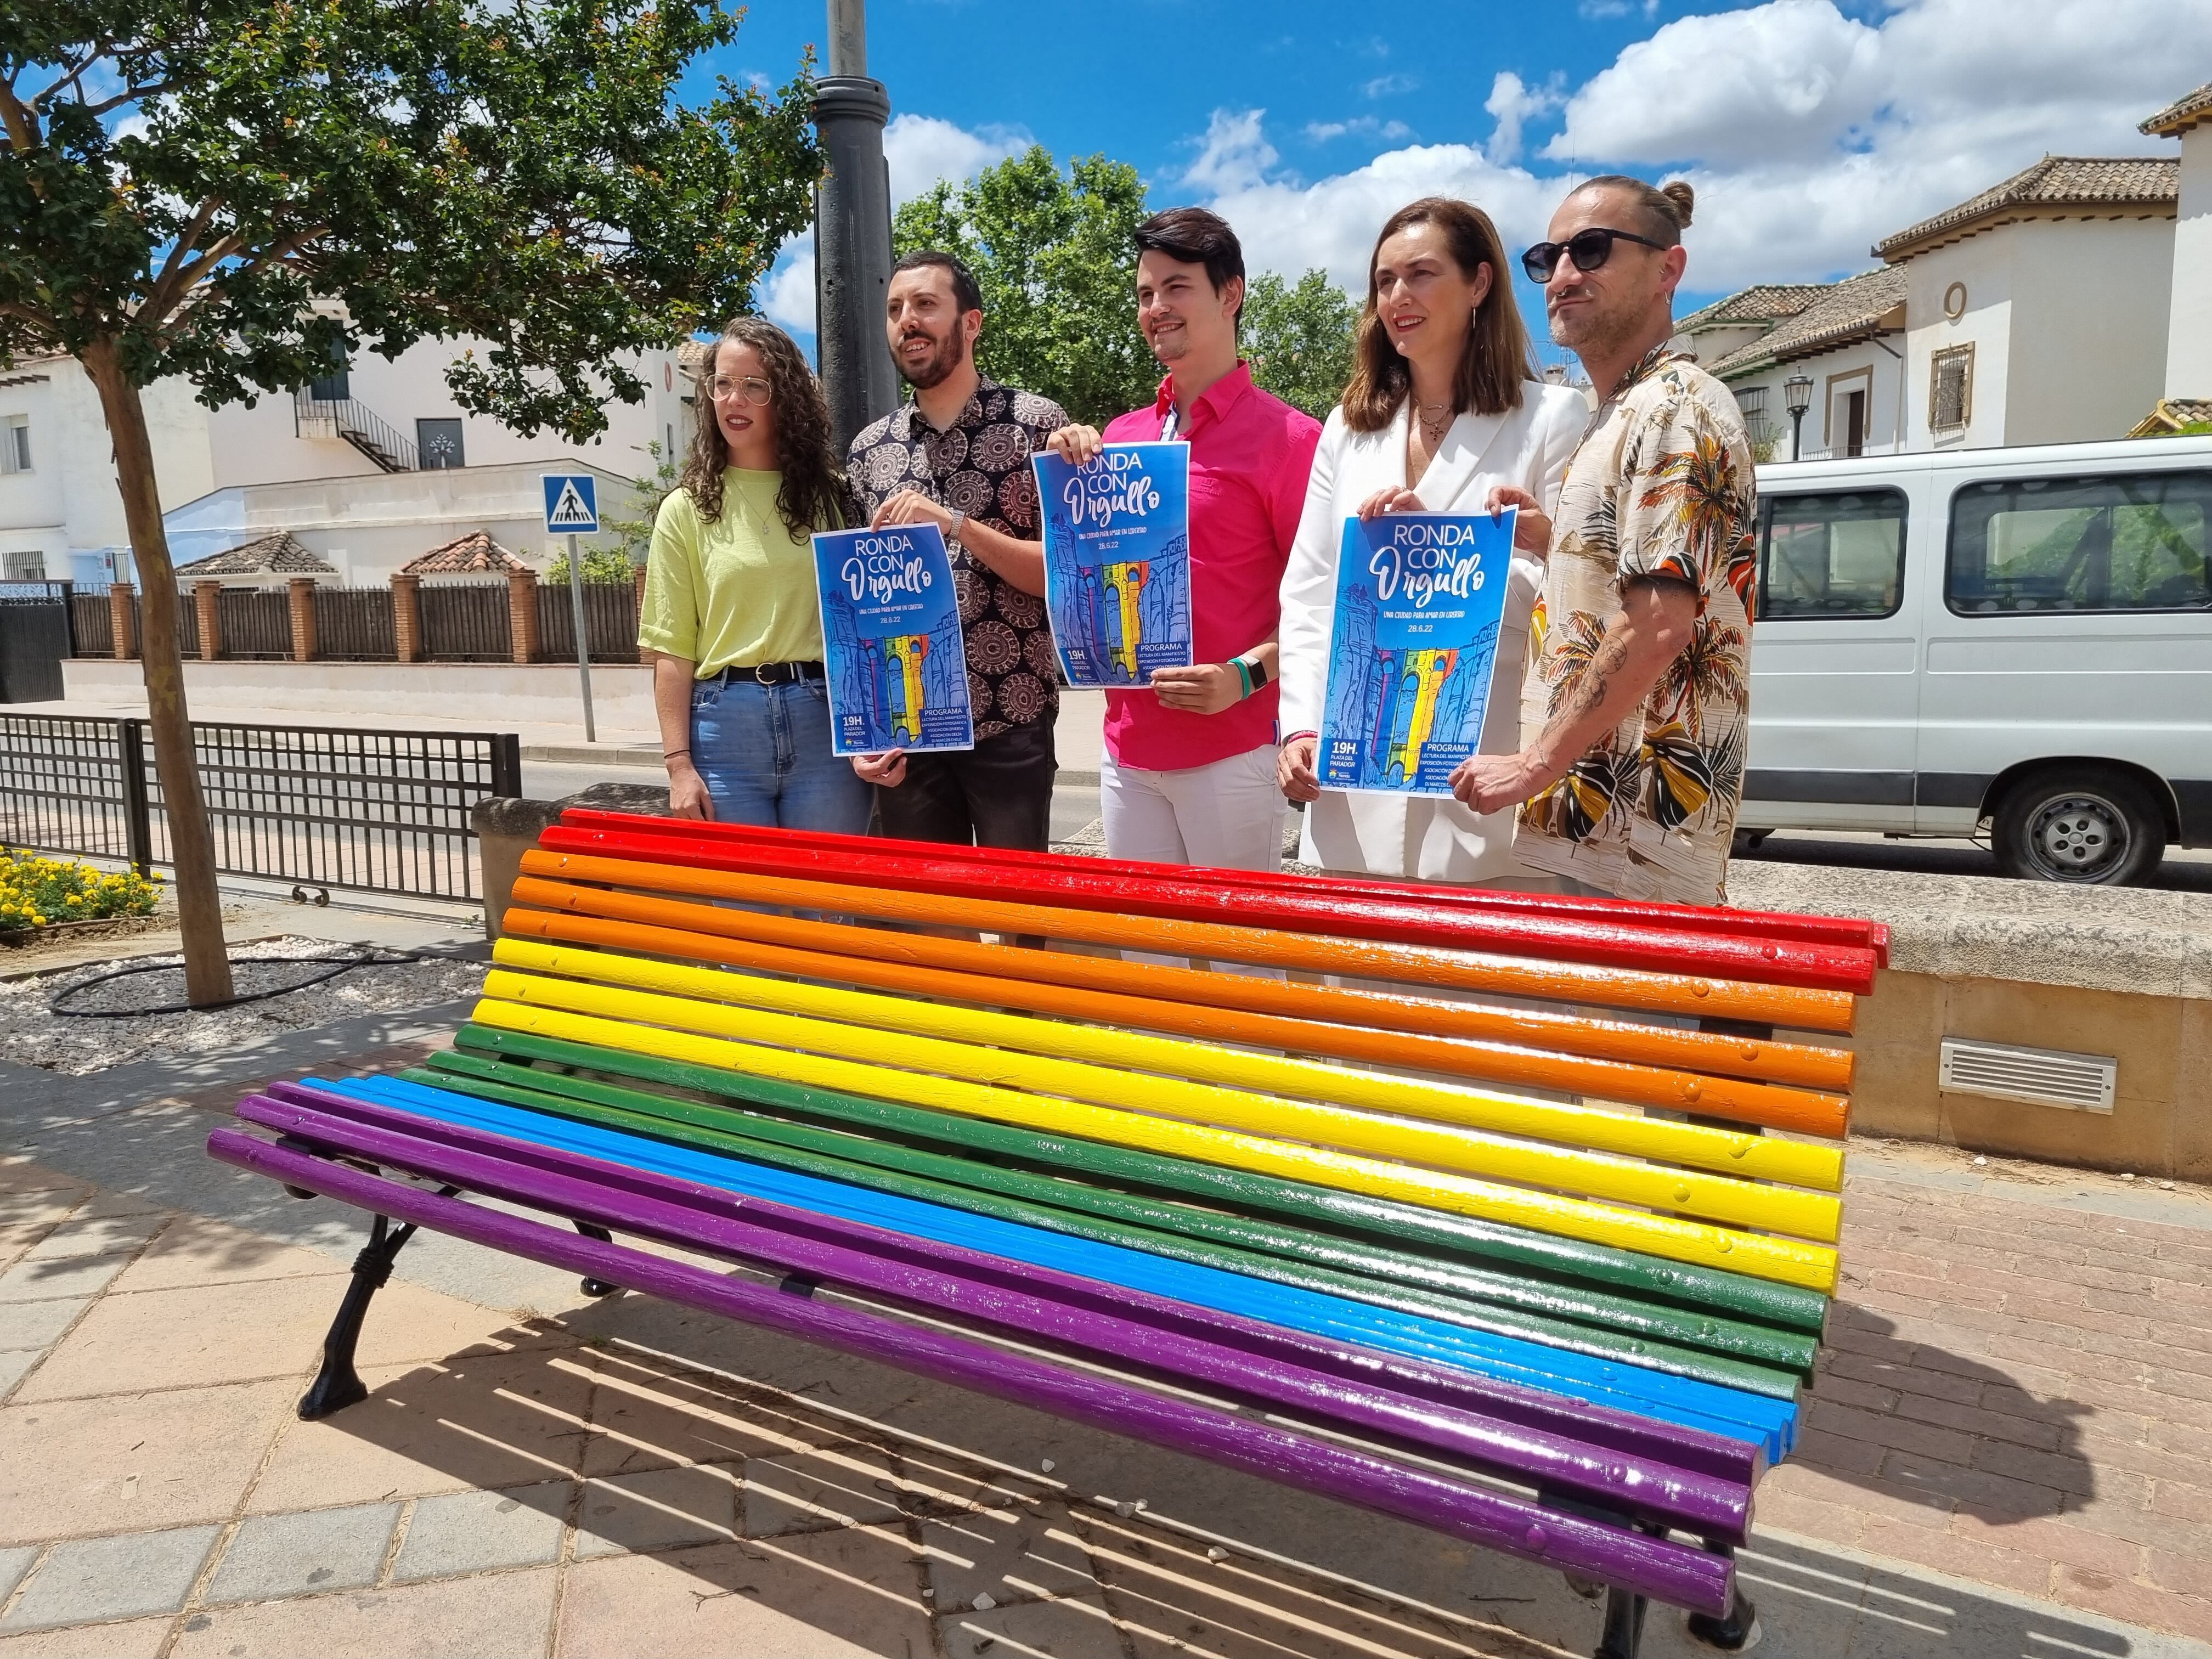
{"type": "Point", "coordinates": [1151, 1332]}
{"type": "Point", "coordinates": [1684, 1576]}
{"type": "Point", "coordinates": [1735, 1462]}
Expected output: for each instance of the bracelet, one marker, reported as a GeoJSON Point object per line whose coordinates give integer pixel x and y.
{"type": "Point", "coordinates": [1244, 674]}
{"type": "Point", "coordinates": [669, 755]}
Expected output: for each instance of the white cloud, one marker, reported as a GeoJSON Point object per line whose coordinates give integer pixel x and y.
{"type": "Point", "coordinates": [1809, 133]}
{"type": "Point", "coordinates": [1390, 86]}
{"type": "Point", "coordinates": [786, 297]}
{"type": "Point", "coordinates": [1592, 10]}
{"type": "Point", "coordinates": [922, 149]}
{"type": "Point", "coordinates": [1235, 153]}
{"type": "Point", "coordinates": [1510, 103]}
{"type": "Point", "coordinates": [919, 150]}
{"type": "Point", "coordinates": [1365, 126]}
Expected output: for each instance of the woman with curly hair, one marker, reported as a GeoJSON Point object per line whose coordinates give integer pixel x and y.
{"type": "Point", "coordinates": [730, 621]}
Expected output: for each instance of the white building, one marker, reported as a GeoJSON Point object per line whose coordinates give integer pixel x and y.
{"type": "Point", "coordinates": [2189, 328]}
{"type": "Point", "coordinates": [377, 463]}
{"type": "Point", "coordinates": [1845, 337]}
{"type": "Point", "coordinates": [2038, 310]}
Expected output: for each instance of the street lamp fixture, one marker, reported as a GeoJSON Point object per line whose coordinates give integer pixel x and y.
{"type": "Point", "coordinates": [1797, 398]}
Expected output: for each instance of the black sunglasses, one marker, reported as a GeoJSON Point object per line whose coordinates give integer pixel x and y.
{"type": "Point", "coordinates": [1589, 249]}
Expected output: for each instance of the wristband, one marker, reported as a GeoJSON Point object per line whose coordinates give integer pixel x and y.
{"type": "Point", "coordinates": [1295, 736]}
{"type": "Point", "coordinates": [1244, 674]}
{"type": "Point", "coordinates": [672, 754]}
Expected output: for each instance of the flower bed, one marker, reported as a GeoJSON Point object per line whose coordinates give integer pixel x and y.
{"type": "Point", "coordinates": [38, 892]}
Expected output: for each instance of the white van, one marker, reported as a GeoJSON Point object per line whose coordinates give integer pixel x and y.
{"type": "Point", "coordinates": [2017, 636]}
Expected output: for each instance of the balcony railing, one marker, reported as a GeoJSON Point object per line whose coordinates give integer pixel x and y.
{"type": "Point", "coordinates": [357, 424]}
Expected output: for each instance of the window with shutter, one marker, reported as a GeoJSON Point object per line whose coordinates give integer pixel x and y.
{"type": "Point", "coordinates": [1951, 389]}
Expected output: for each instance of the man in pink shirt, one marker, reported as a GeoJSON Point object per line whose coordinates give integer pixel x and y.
{"type": "Point", "coordinates": [1189, 776]}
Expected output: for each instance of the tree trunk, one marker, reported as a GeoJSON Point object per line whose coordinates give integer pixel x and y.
{"type": "Point", "coordinates": [191, 847]}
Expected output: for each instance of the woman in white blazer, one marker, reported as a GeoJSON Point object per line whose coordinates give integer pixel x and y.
{"type": "Point", "coordinates": [1443, 406]}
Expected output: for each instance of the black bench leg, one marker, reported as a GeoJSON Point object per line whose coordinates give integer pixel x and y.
{"type": "Point", "coordinates": [1624, 1624]}
{"type": "Point", "coordinates": [597, 1286]}
{"type": "Point", "coordinates": [1733, 1632]}
{"type": "Point", "coordinates": [338, 1385]}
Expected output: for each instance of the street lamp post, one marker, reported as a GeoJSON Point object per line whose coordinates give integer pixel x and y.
{"type": "Point", "coordinates": [1797, 398]}
{"type": "Point", "coordinates": [853, 231]}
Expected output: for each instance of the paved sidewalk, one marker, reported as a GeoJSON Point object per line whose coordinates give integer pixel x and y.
{"type": "Point", "coordinates": [2010, 1451]}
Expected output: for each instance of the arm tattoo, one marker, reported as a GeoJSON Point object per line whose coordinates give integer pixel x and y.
{"type": "Point", "coordinates": [1609, 658]}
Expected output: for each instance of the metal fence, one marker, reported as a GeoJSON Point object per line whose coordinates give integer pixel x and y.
{"type": "Point", "coordinates": [253, 622]}
{"type": "Point", "coordinates": [380, 812]}
{"type": "Point", "coordinates": [92, 628]}
{"type": "Point", "coordinates": [466, 622]}
{"type": "Point", "coordinates": [610, 622]}
{"type": "Point", "coordinates": [355, 624]}
{"type": "Point", "coordinates": [34, 637]}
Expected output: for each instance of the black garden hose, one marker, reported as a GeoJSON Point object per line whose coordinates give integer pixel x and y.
{"type": "Point", "coordinates": [365, 958]}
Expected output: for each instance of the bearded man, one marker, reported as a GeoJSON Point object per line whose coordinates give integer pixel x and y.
{"type": "Point", "coordinates": [957, 454]}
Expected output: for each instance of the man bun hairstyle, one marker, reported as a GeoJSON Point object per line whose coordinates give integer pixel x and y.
{"type": "Point", "coordinates": [967, 293]}
{"type": "Point", "coordinates": [1665, 212]}
{"type": "Point", "coordinates": [1193, 236]}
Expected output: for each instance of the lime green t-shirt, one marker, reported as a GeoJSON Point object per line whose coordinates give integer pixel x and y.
{"type": "Point", "coordinates": [736, 593]}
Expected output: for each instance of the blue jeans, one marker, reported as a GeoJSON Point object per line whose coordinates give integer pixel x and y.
{"type": "Point", "coordinates": [764, 751]}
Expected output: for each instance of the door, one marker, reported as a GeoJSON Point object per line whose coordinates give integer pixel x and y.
{"type": "Point", "coordinates": [1855, 423]}
{"type": "Point", "coordinates": [1834, 694]}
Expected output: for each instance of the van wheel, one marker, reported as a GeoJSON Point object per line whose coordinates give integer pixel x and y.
{"type": "Point", "coordinates": [1748, 841]}
{"type": "Point", "coordinates": [2089, 827]}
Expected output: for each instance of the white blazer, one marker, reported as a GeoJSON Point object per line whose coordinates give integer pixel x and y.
{"type": "Point", "coordinates": [1425, 838]}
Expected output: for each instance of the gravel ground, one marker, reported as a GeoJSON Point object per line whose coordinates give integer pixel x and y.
{"type": "Point", "coordinates": [32, 1034]}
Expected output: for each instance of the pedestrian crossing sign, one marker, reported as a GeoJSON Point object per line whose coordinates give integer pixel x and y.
{"type": "Point", "coordinates": [572, 503]}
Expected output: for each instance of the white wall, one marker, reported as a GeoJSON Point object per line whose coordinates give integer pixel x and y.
{"type": "Point", "coordinates": [1985, 263]}
{"type": "Point", "coordinates": [262, 446]}
{"type": "Point", "coordinates": [1864, 364]}
{"type": "Point", "coordinates": [69, 505]}
{"type": "Point", "coordinates": [2091, 301]}
{"type": "Point", "coordinates": [368, 526]}
{"type": "Point", "coordinates": [2189, 333]}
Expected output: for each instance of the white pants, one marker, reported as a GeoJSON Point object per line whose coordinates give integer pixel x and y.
{"type": "Point", "coordinates": [1228, 814]}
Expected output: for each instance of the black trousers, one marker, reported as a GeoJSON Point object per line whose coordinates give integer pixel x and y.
{"type": "Point", "coordinates": [997, 794]}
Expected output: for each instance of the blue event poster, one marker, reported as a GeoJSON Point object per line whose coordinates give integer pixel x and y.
{"type": "Point", "coordinates": [890, 636]}
{"type": "Point", "coordinates": [1418, 599]}
{"type": "Point", "coordinates": [1117, 561]}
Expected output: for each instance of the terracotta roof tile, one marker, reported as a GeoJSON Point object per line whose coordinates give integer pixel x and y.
{"type": "Point", "coordinates": [277, 554]}
{"type": "Point", "coordinates": [692, 356]}
{"type": "Point", "coordinates": [1852, 309]}
{"type": "Point", "coordinates": [473, 554]}
{"type": "Point", "coordinates": [2172, 415]}
{"type": "Point", "coordinates": [1764, 303]}
{"type": "Point", "coordinates": [2190, 109]}
{"type": "Point", "coordinates": [2084, 181]}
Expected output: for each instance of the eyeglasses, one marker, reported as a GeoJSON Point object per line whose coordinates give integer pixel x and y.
{"type": "Point", "coordinates": [1589, 249]}
{"type": "Point", "coordinates": [751, 389]}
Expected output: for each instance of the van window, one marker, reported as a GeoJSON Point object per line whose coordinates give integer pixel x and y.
{"type": "Point", "coordinates": [2134, 543]}
{"type": "Point", "coordinates": [1841, 554]}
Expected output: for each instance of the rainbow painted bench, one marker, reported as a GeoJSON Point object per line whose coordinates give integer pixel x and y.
{"type": "Point", "coordinates": [1507, 1215]}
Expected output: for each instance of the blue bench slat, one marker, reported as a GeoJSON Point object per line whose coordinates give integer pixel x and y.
{"type": "Point", "coordinates": [1697, 1405]}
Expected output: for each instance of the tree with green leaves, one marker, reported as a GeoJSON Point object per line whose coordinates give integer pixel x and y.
{"type": "Point", "coordinates": [1051, 253]}
{"type": "Point", "coordinates": [1298, 339]}
{"type": "Point", "coordinates": [1055, 256]}
{"type": "Point", "coordinates": [633, 537]}
{"type": "Point", "coordinates": [241, 192]}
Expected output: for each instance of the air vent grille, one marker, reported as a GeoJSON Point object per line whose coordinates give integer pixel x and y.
{"type": "Point", "coordinates": [2079, 1083]}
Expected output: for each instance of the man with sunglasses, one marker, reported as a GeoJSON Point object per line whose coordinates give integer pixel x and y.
{"type": "Point", "coordinates": [956, 455]}
{"type": "Point", "coordinates": [1634, 715]}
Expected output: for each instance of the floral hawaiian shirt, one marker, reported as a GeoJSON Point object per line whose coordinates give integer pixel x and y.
{"type": "Point", "coordinates": [1661, 486]}
{"type": "Point", "coordinates": [979, 465]}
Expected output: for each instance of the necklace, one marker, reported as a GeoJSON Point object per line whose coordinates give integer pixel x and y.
{"type": "Point", "coordinates": [1433, 429]}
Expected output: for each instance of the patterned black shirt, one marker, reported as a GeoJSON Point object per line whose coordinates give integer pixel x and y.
{"type": "Point", "coordinates": [979, 465]}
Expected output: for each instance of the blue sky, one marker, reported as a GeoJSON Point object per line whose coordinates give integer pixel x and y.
{"type": "Point", "coordinates": [1810, 128]}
